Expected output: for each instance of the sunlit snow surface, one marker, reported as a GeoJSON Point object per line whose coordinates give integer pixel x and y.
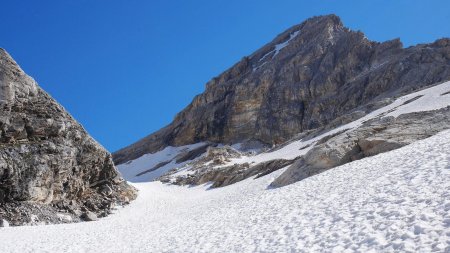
{"type": "Point", "coordinates": [399, 200]}
{"type": "Point", "coordinates": [132, 169]}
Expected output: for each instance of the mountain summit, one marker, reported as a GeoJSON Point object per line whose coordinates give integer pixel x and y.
{"type": "Point", "coordinates": [312, 75]}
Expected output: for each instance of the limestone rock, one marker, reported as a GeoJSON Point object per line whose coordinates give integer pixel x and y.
{"type": "Point", "coordinates": [374, 137]}
{"type": "Point", "coordinates": [48, 162]}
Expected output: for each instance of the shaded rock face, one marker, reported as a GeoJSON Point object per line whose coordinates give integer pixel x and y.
{"type": "Point", "coordinates": [374, 137]}
{"type": "Point", "coordinates": [308, 76]}
{"type": "Point", "coordinates": [47, 160]}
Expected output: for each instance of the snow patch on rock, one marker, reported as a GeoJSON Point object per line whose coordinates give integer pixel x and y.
{"type": "Point", "coordinates": [279, 47]}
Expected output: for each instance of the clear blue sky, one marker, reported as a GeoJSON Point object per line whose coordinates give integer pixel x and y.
{"type": "Point", "coordinates": [125, 68]}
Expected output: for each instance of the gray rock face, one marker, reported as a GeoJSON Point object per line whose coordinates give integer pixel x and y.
{"type": "Point", "coordinates": [308, 76]}
{"type": "Point", "coordinates": [48, 162]}
{"type": "Point", "coordinates": [374, 137]}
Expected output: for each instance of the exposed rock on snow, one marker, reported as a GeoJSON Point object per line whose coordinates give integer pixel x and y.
{"type": "Point", "coordinates": [374, 137]}
{"type": "Point", "coordinates": [48, 162]}
{"type": "Point", "coordinates": [224, 176]}
{"type": "Point", "coordinates": [89, 216]}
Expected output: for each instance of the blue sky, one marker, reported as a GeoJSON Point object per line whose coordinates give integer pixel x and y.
{"type": "Point", "coordinates": [125, 68]}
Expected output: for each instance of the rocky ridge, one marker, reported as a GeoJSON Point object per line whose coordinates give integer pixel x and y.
{"type": "Point", "coordinates": [313, 74]}
{"type": "Point", "coordinates": [374, 137]}
{"type": "Point", "coordinates": [51, 170]}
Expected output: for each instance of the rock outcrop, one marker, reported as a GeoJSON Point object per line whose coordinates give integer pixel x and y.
{"type": "Point", "coordinates": [49, 166]}
{"type": "Point", "coordinates": [214, 167]}
{"type": "Point", "coordinates": [311, 75]}
{"type": "Point", "coordinates": [374, 137]}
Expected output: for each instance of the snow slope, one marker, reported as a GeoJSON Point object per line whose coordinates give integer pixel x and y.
{"type": "Point", "coordinates": [395, 201]}
{"type": "Point", "coordinates": [132, 169]}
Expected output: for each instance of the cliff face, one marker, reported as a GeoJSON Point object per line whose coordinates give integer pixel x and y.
{"type": "Point", "coordinates": [48, 162]}
{"type": "Point", "coordinates": [307, 77]}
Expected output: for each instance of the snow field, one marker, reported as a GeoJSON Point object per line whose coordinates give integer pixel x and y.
{"type": "Point", "coordinates": [395, 201]}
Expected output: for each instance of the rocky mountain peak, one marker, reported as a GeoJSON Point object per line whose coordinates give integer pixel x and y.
{"type": "Point", "coordinates": [320, 30]}
{"type": "Point", "coordinates": [308, 77]}
{"type": "Point", "coordinates": [322, 25]}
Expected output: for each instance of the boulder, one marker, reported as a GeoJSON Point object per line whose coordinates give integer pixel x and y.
{"type": "Point", "coordinates": [89, 216]}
